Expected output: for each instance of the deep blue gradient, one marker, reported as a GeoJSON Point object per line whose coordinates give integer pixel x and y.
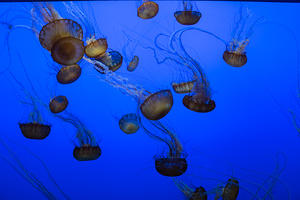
{"type": "Point", "coordinates": [241, 137]}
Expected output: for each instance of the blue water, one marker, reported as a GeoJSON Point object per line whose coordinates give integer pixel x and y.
{"type": "Point", "coordinates": [249, 133]}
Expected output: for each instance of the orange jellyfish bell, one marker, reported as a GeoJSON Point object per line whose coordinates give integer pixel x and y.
{"type": "Point", "coordinates": [68, 74]}
{"type": "Point", "coordinates": [133, 64]}
{"type": "Point", "coordinates": [86, 153]}
{"type": "Point", "coordinates": [171, 166]}
{"type": "Point", "coordinates": [95, 48]}
{"type": "Point", "coordinates": [183, 87]}
{"type": "Point", "coordinates": [58, 104]}
{"type": "Point", "coordinates": [231, 190]}
{"type": "Point", "coordinates": [235, 59]}
{"type": "Point", "coordinates": [67, 50]}
{"type": "Point", "coordinates": [194, 103]}
{"type": "Point", "coordinates": [157, 105]}
{"type": "Point", "coordinates": [112, 59]}
{"type": "Point", "coordinates": [187, 17]}
{"type": "Point", "coordinates": [147, 10]}
{"type": "Point", "coordinates": [199, 194]}
{"type": "Point", "coordinates": [35, 130]}
{"type": "Point", "coordinates": [129, 123]}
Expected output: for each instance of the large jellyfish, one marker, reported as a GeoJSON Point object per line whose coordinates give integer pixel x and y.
{"type": "Point", "coordinates": [13, 160]}
{"type": "Point", "coordinates": [86, 146]}
{"type": "Point", "coordinates": [189, 15]}
{"type": "Point", "coordinates": [147, 10]}
{"type": "Point", "coordinates": [173, 163]}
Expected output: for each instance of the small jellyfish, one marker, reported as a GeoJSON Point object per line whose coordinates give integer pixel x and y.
{"type": "Point", "coordinates": [198, 193]}
{"type": "Point", "coordinates": [86, 146]}
{"type": "Point", "coordinates": [235, 55]}
{"type": "Point", "coordinates": [147, 10]}
{"type": "Point", "coordinates": [86, 153]}
{"type": "Point", "coordinates": [199, 100]}
{"type": "Point", "coordinates": [95, 48]}
{"type": "Point", "coordinates": [68, 74]}
{"type": "Point", "coordinates": [129, 123]}
{"type": "Point", "coordinates": [113, 60]}
{"type": "Point", "coordinates": [133, 64]}
{"type": "Point", "coordinates": [183, 87]}
{"type": "Point", "coordinates": [171, 166]}
{"type": "Point", "coordinates": [231, 190]}
{"type": "Point", "coordinates": [187, 16]}
{"type": "Point", "coordinates": [58, 104]}
{"type": "Point", "coordinates": [62, 37]}
{"type": "Point", "coordinates": [157, 105]}
{"type": "Point", "coordinates": [35, 130]}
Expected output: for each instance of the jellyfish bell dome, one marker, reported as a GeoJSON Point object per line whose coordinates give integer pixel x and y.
{"type": "Point", "coordinates": [183, 87]}
{"type": "Point", "coordinates": [231, 190]}
{"type": "Point", "coordinates": [86, 153]}
{"type": "Point", "coordinates": [58, 29]}
{"type": "Point", "coordinates": [133, 64]}
{"type": "Point", "coordinates": [35, 130]}
{"type": "Point", "coordinates": [157, 105]}
{"type": "Point", "coordinates": [195, 104]}
{"type": "Point", "coordinates": [129, 123]}
{"type": "Point", "coordinates": [68, 74]}
{"type": "Point", "coordinates": [148, 10]}
{"type": "Point", "coordinates": [187, 17]}
{"type": "Point", "coordinates": [170, 166]}
{"type": "Point", "coordinates": [112, 59]}
{"type": "Point", "coordinates": [199, 194]}
{"type": "Point", "coordinates": [67, 50]}
{"type": "Point", "coordinates": [95, 48]}
{"type": "Point", "coordinates": [235, 59]}
{"type": "Point", "coordinates": [58, 104]}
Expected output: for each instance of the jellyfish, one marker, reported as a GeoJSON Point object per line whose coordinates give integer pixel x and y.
{"type": "Point", "coordinates": [86, 147]}
{"type": "Point", "coordinates": [173, 163]}
{"type": "Point", "coordinates": [130, 59]}
{"type": "Point", "coordinates": [68, 74]}
{"type": "Point", "coordinates": [199, 98]}
{"type": "Point", "coordinates": [147, 10]}
{"type": "Point", "coordinates": [188, 16]}
{"type": "Point", "coordinates": [129, 123]}
{"type": "Point", "coordinates": [157, 105]}
{"type": "Point", "coordinates": [62, 37]}
{"type": "Point", "coordinates": [13, 160]}
{"type": "Point", "coordinates": [58, 104]}
{"type": "Point", "coordinates": [235, 53]}
{"type": "Point", "coordinates": [112, 59]}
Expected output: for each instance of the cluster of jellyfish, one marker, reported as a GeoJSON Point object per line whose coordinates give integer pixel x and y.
{"type": "Point", "coordinates": [72, 39]}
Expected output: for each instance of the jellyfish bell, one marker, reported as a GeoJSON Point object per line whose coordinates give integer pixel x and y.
{"type": "Point", "coordinates": [67, 50]}
{"type": "Point", "coordinates": [86, 153]}
{"type": "Point", "coordinates": [157, 105]}
{"type": "Point", "coordinates": [129, 123]}
{"type": "Point", "coordinates": [147, 10]}
{"type": "Point", "coordinates": [112, 59]}
{"type": "Point", "coordinates": [95, 48]}
{"type": "Point", "coordinates": [231, 190]}
{"type": "Point", "coordinates": [195, 103]}
{"type": "Point", "coordinates": [183, 87]}
{"type": "Point", "coordinates": [235, 59]}
{"type": "Point", "coordinates": [133, 64]}
{"type": "Point", "coordinates": [187, 16]}
{"type": "Point", "coordinates": [199, 194]}
{"type": "Point", "coordinates": [58, 104]}
{"type": "Point", "coordinates": [68, 74]}
{"type": "Point", "coordinates": [171, 166]}
{"type": "Point", "coordinates": [35, 130]}
{"type": "Point", "coordinates": [58, 29]}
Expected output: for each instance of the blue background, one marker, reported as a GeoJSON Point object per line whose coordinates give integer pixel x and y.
{"type": "Point", "coordinates": [250, 124]}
